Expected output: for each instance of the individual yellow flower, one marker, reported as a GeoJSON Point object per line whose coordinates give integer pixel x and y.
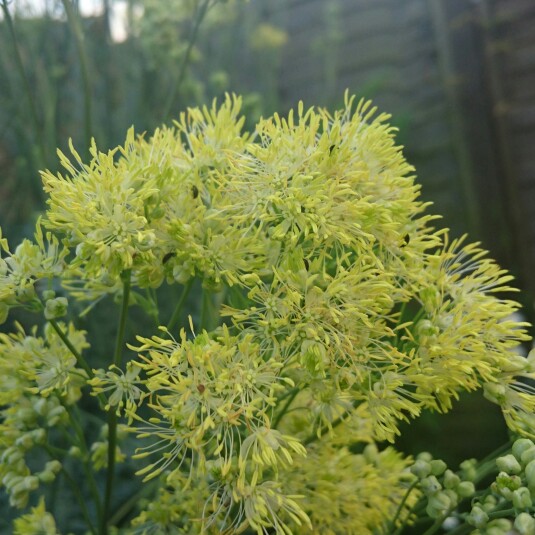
{"type": "Point", "coordinates": [30, 262]}
{"type": "Point", "coordinates": [122, 388]}
{"type": "Point", "coordinates": [204, 395]}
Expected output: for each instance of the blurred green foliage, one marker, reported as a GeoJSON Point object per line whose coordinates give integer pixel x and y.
{"type": "Point", "coordinates": [173, 54]}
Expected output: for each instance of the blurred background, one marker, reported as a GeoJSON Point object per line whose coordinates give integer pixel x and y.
{"type": "Point", "coordinates": [458, 76]}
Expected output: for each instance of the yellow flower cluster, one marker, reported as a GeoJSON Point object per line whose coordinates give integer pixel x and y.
{"type": "Point", "coordinates": [345, 313]}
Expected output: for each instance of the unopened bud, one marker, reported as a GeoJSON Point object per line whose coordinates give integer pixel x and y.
{"type": "Point", "coordinates": [465, 489]}
{"type": "Point", "coordinates": [520, 446]}
{"type": "Point", "coordinates": [56, 308]}
{"type": "Point", "coordinates": [508, 464]}
{"type": "Point", "coordinates": [430, 485]}
{"type": "Point", "coordinates": [530, 474]}
{"type": "Point", "coordinates": [522, 498]}
{"type": "Point", "coordinates": [528, 455]}
{"type": "Point", "coordinates": [477, 517]}
{"type": "Point", "coordinates": [438, 505]}
{"type": "Point", "coordinates": [451, 480]}
{"type": "Point", "coordinates": [438, 466]}
{"type": "Point", "coordinates": [469, 469]}
{"type": "Point", "coordinates": [525, 524]}
{"type": "Point", "coordinates": [499, 526]}
{"type": "Point", "coordinates": [421, 469]}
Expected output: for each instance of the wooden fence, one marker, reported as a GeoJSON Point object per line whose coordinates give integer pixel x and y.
{"type": "Point", "coordinates": [458, 77]}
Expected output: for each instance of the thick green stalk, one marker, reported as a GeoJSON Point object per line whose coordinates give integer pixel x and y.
{"type": "Point", "coordinates": [112, 416]}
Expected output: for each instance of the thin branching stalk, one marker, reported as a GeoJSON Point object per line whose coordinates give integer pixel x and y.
{"type": "Point", "coordinates": [175, 88]}
{"type": "Point", "coordinates": [27, 88]}
{"type": "Point", "coordinates": [76, 28]}
{"type": "Point", "coordinates": [82, 444]}
{"type": "Point", "coordinates": [293, 393]}
{"type": "Point", "coordinates": [77, 355]}
{"type": "Point", "coordinates": [75, 487]}
{"type": "Point", "coordinates": [180, 305]}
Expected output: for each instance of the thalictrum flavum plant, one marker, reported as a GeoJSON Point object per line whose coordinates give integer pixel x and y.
{"type": "Point", "coordinates": [329, 310]}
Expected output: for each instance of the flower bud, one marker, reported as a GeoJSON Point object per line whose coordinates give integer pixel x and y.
{"type": "Point", "coordinates": [495, 392]}
{"type": "Point", "coordinates": [477, 517]}
{"type": "Point", "coordinates": [525, 524]}
{"type": "Point", "coordinates": [56, 308]}
{"type": "Point", "coordinates": [421, 469]}
{"type": "Point", "coordinates": [438, 505]}
{"type": "Point", "coordinates": [489, 503]}
{"type": "Point", "coordinates": [451, 480]}
{"type": "Point", "coordinates": [515, 364]}
{"type": "Point", "coordinates": [506, 484]}
{"type": "Point", "coordinates": [469, 469]}
{"type": "Point", "coordinates": [438, 466]}
{"type": "Point", "coordinates": [430, 485]}
{"type": "Point", "coordinates": [508, 464]}
{"type": "Point", "coordinates": [25, 484]}
{"type": "Point", "coordinates": [55, 415]}
{"type": "Point", "coordinates": [424, 456]}
{"type": "Point", "coordinates": [522, 498]}
{"type": "Point", "coordinates": [500, 526]}
{"type": "Point", "coordinates": [465, 489]}
{"type": "Point", "coordinates": [520, 446]}
{"type": "Point", "coordinates": [46, 476]}
{"type": "Point", "coordinates": [426, 328]}
{"type": "Point", "coordinates": [528, 455]}
{"type": "Point", "coordinates": [49, 294]}
{"type": "Point", "coordinates": [10, 480]}
{"type": "Point", "coordinates": [530, 474]}
{"type": "Point", "coordinates": [75, 452]}
{"type": "Point", "coordinates": [53, 466]}
{"type": "Point", "coordinates": [371, 453]}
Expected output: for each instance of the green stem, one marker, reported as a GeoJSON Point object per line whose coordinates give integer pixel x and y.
{"type": "Point", "coordinates": [488, 464]}
{"type": "Point", "coordinates": [112, 416]}
{"type": "Point", "coordinates": [76, 28]}
{"type": "Point", "coordinates": [76, 490]}
{"type": "Point", "coordinates": [200, 14]}
{"type": "Point", "coordinates": [131, 502]}
{"type": "Point", "coordinates": [79, 359]}
{"type": "Point", "coordinates": [178, 309]}
{"type": "Point", "coordinates": [400, 508]}
{"type": "Point", "coordinates": [26, 83]}
{"type": "Point", "coordinates": [334, 424]}
{"type": "Point", "coordinates": [498, 512]}
{"type": "Point", "coordinates": [205, 310]}
{"type": "Point", "coordinates": [436, 525]}
{"type": "Point", "coordinates": [79, 432]}
{"type": "Point", "coordinates": [289, 400]}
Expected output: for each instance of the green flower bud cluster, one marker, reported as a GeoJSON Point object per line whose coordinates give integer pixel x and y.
{"type": "Point", "coordinates": [442, 488]}
{"type": "Point", "coordinates": [513, 494]}
{"type": "Point", "coordinates": [24, 428]}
